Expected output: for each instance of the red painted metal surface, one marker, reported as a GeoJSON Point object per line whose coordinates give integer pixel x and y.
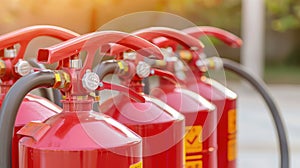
{"type": "Point", "coordinates": [198, 113]}
{"type": "Point", "coordinates": [91, 43]}
{"type": "Point", "coordinates": [199, 116]}
{"type": "Point", "coordinates": [223, 35]}
{"type": "Point", "coordinates": [160, 127]}
{"type": "Point", "coordinates": [223, 98]}
{"type": "Point", "coordinates": [33, 108]}
{"type": "Point", "coordinates": [79, 138]}
{"type": "Point", "coordinates": [225, 101]}
{"type": "Point", "coordinates": [152, 33]}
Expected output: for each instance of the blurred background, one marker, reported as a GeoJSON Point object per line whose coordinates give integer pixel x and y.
{"type": "Point", "coordinates": [281, 23]}
{"type": "Point", "coordinates": [270, 30]}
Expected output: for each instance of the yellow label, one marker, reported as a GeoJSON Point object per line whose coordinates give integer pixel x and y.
{"type": "Point", "coordinates": [193, 147]}
{"type": "Point", "coordinates": [232, 121]}
{"type": "Point", "coordinates": [232, 128]}
{"type": "Point", "coordinates": [137, 165]}
{"type": "Point", "coordinates": [194, 164]}
{"type": "Point", "coordinates": [231, 153]}
{"type": "Point", "coordinates": [193, 139]}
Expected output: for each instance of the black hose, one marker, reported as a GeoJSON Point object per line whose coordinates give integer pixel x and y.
{"type": "Point", "coordinates": [45, 92]}
{"type": "Point", "coordinates": [146, 88]}
{"type": "Point", "coordinates": [10, 107]}
{"type": "Point", "coordinates": [103, 69]}
{"type": "Point", "coordinates": [260, 86]}
{"type": "Point", "coordinates": [57, 96]}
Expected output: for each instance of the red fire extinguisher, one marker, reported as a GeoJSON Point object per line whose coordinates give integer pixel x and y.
{"type": "Point", "coordinates": [13, 66]}
{"type": "Point", "coordinates": [160, 126]}
{"type": "Point", "coordinates": [222, 97]}
{"type": "Point", "coordinates": [77, 137]}
{"type": "Point", "coordinates": [200, 139]}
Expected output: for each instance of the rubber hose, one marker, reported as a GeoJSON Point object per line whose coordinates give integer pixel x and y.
{"type": "Point", "coordinates": [57, 96]}
{"type": "Point", "coordinates": [146, 88]}
{"type": "Point", "coordinates": [10, 107]}
{"type": "Point", "coordinates": [261, 87]}
{"type": "Point", "coordinates": [103, 69]}
{"type": "Point", "coordinates": [43, 91]}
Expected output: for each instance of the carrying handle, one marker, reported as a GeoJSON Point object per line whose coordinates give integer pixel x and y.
{"type": "Point", "coordinates": [91, 43]}
{"type": "Point", "coordinates": [131, 94]}
{"type": "Point", "coordinates": [165, 74]}
{"type": "Point", "coordinates": [25, 35]}
{"type": "Point", "coordinates": [153, 33]}
{"type": "Point", "coordinates": [223, 35]}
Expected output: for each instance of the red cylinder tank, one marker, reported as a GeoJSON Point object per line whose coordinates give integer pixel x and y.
{"type": "Point", "coordinates": [79, 138]}
{"type": "Point", "coordinates": [222, 97]}
{"type": "Point", "coordinates": [200, 141]}
{"type": "Point", "coordinates": [159, 125]}
{"type": "Point", "coordinates": [201, 121]}
{"type": "Point", "coordinates": [219, 95]}
{"type": "Point", "coordinates": [225, 101]}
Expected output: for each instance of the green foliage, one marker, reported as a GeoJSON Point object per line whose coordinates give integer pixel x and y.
{"type": "Point", "coordinates": [220, 13]}
{"type": "Point", "coordinates": [284, 14]}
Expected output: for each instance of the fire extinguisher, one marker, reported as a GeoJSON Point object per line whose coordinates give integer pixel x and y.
{"type": "Point", "coordinates": [258, 84]}
{"type": "Point", "coordinates": [160, 126]}
{"type": "Point", "coordinates": [77, 137]}
{"type": "Point", "coordinates": [222, 97]}
{"type": "Point", "coordinates": [200, 139]}
{"type": "Point", "coordinates": [13, 67]}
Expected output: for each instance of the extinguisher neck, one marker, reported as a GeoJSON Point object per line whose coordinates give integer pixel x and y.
{"type": "Point", "coordinates": [77, 104]}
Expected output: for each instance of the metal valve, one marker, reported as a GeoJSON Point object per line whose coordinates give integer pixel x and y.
{"type": "Point", "coordinates": [23, 67]}
{"type": "Point", "coordinates": [143, 69]}
{"type": "Point", "coordinates": [90, 81]}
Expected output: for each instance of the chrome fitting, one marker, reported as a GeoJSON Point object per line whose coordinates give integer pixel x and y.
{"type": "Point", "coordinates": [143, 69]}
{"type": "Point", "coordinates": [90, 81]}
{"type": "Point", "coordinates": [23, 68]}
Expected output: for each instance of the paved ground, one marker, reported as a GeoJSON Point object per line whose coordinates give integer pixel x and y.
{"type": "Point", "coordinates": [257, 138]}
